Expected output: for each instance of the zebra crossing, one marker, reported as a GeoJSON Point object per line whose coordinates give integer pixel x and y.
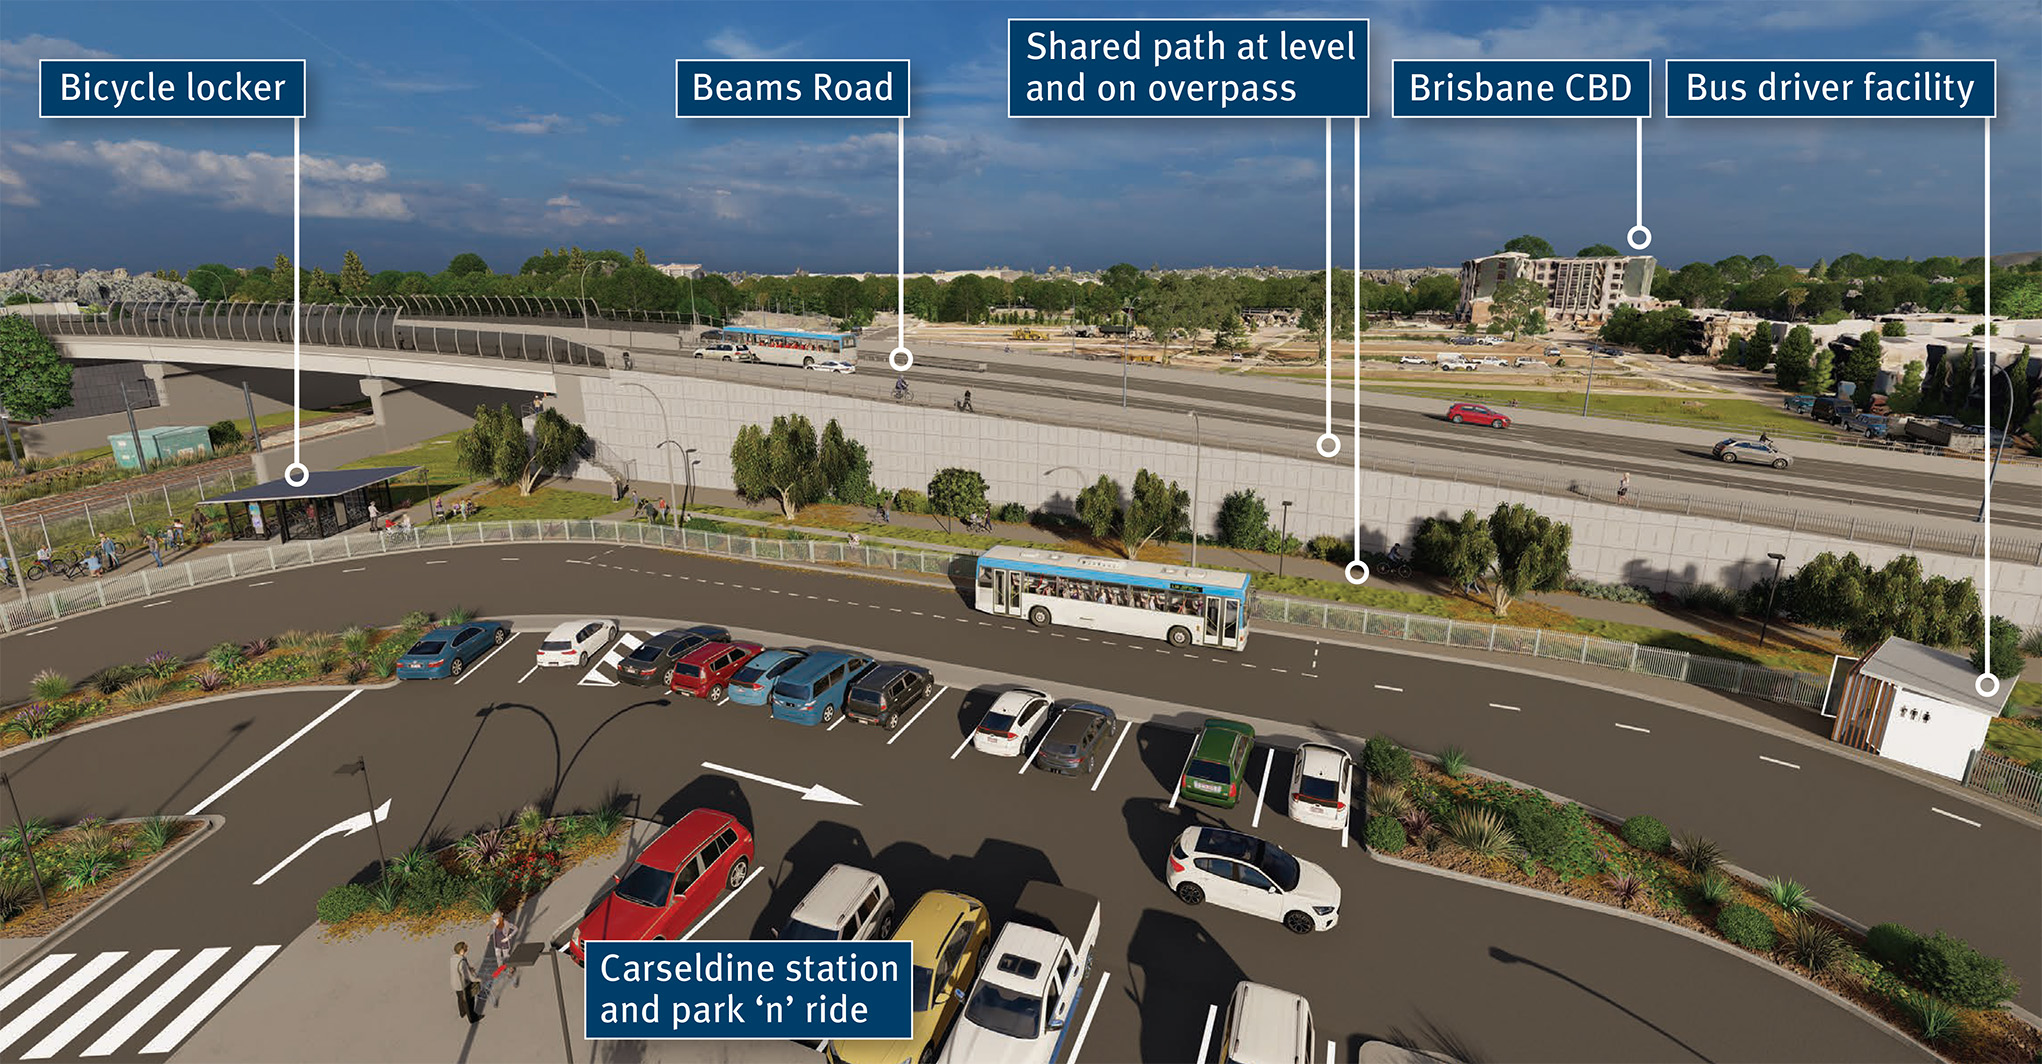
{"type": "Point", "coordinates": [48, 1009]}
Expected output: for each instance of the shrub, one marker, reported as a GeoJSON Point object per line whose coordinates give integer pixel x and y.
{"type": "Point", "coordinates": [344, 902]}
{"type": "Point", "coordinates": [1814, 945]}
{"type": "Point", "coordinates": [225, 656]}
{"type": "Point", "coordinates": [1555, 836]}
{"type": "Point", "coordinates": [1714, 888]}
{"type": "Point", "coordinates": [357, 670]}
{"type": "Point", "coordinates": [111, 679]}
{"type": "Point", "coordinates": [144, 691]}
{"type": "Point", "coordinates": [1647, 833]}
{"type": "Point", "coordinates": [1386, 799]}
{"type": "Point", "coordinates": [1697, 854]}
{"type": "Point", "coordinates": [385, 667]}
{"type": "Point", "coordinates": [412, 862]}
{"type": "Point", "coordinates": [223, 433]}
{"type": "Point", "coordinates": [1384, 760]}
{"type": "Point", "coordinates": [1745, 926]}
{"type": "Point", "coordinates": [210, 680]}
{"type": "Point", "coordinates": [37, 829]}
{"type": "Point", "coordinates": [161, 665]}
{"type": "Point", "coordinates": [2031, 645]}
{"type": "Point", "coordinates": [1480, 831]}
{"type": "Point", "coordinates": [605, 820]}
{"type": "Point", "coordinates": [87, 869]}
{"type": "Point", "coordinates": [484, 850]}
{"type": "Point", "coordinates": [430, 890]}
{"type": "Point", "coordinates": [1416, 821]}
{"type": "Point", "coordinates": [1609, 592]}
{"type": "Point", "coordinates": [35, 721]}
{"type": "Point", "coordinates": [297, 639]}
{"type": "Point", "coordinates": [1329, 548]}
{"type": "Point", "coordinates": [486, 894]}
{"type": "Point", "coordinates": [460, 615]}
{"type": "Point", "coordinates": [1951, 969]}
{"type": "Point", "coordinates": [417, 619]}
{"type": "Point", "coordinates": [1716, 599]}
{"type": "Point", "coordinates": [49, 685]}
{"type": "Point", "coordinates": [1384, 834]}
{"type": "Point", "coordinates": [383, 895]}
{"type": "Point", "coordinates": [1936, 1021]}
{"type": "Point", "coordinates": [355, 640]}
{"type": "Point", "coordinates": [1624, 887]}
{"type": "Point", "coordinates": [1792, 898]}
{"type": "Point", "coordinates": [1453, 761]}
{"type": "Point", "coordinates": [1892, 945]}
{"type": "Point", "coordinates": [16, 892]}
{"type": "Point", "coordinates": [258, 646]}
{"type": "Point", "coordinates": [1012, 513]}
{"type": "Point", "coordinates": [154, 833]}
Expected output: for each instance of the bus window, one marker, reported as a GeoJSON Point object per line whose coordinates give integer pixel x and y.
{"type": "Point", "coordinates": [985, 577]}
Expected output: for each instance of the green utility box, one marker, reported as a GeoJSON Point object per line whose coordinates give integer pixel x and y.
{"type": "Point", "coordinates": [167, 444]}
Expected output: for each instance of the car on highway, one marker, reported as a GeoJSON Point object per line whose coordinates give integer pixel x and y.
{"type": "Point", "coordinates": [648, 662]}
{"type": "Point", "coordinates": [575, 642]}
{"type": "Point", "coordinates": [1414, 360]}
{"type": "Point", "coordinates": [447, 650]}
{"type": "Point", "coordinates": [1492, 360]}
{"type": "Point", "coordinates": [1758, 452]}
{"type": "Point", "coordinates": [849, 905]}
{"type": "Point", "coordinates": [1219, 757]}
{"type": "Point", "coordinates": [950, 933]}
{"type": "Point", "coordinates": [813, 692]}
{"type": "Point", "coordinates": [1075, 740]}
{"type": "Point", "coordinates": [1527, 360]}
{"type": "Point", "coordinates": [752, 685]}
{"type": "Point", "coordinates": [1238, 871]}
{"type": "Point", "coordinates": [705, 671]}
{"type": "Point", "coordinates": [726, 352]}
{"type": "Point", "coordinates": [888, 691]}
{"type": "Point", "coordinates": [671, 883]}
{"type": "Point", "coordinates": [1321, 786]}
{"type": "Point", "coordinates": [1461, 364]}
{"type": "Point", "coordinates": [1011, 721]}
{"type": "Point", "coordinates": [1476, 413]}
{"type": "Point", "coordinates": [834, 366]}
{"type": "Point", "coordinates": [1268, 1026]}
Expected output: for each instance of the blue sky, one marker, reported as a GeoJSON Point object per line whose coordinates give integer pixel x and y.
{"type": "Point", "coordinates": [503, 128]}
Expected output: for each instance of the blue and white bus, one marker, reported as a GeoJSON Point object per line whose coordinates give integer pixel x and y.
{"type": "Point", "coordinates": [1173, 602]}
{"type": "Point", "coordinates": [791, 347]}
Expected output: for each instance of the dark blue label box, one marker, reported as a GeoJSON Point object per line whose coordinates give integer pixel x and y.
{"type": "Point", "coordinates": [1187, 68]}
{"type": "Point", "coordinates": [1521, 88]}
{"type": "Point", "coordinates": [748, 990]}
{"type": "Point", "coordinates": [1830, 88]}
{"type": "Point", "coordinates": [172, 88]}
{"type": "Point", "coordinates": [791, 88]}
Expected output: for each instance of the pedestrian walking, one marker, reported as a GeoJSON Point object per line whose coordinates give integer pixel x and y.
{"type": "Point", "coordinates": [502, 936]}
{"type": "Point", "coordinates": [1623, 487]}
{"type": "Point", "coordinates": [110, 550]}
{"type": "Point", "coordinates": [155, 548]}
{"type": "Point", "coordinates": [373, 515]}
{"type": "Point", "coordinates": [662, 508]}
{"type": "Point", "coordinates": [462, 976]}
{"type": "Point", "coordinates": [176, 534]}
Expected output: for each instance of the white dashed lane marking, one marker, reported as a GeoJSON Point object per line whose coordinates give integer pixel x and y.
{"type": "Point", "coordinates": [1777, 761]}
{"type": "Point", "coordinates": [1633, 727]}
{"type": "Point", "coordinates": [1954, 816]}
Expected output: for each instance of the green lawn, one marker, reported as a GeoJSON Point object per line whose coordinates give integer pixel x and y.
{"type": "Point", "coordinates": [1722, 413]}
{"type": "Point", "coordinates": [2022, 742]}
{"type": "Point", "coordinates": [439, 471]}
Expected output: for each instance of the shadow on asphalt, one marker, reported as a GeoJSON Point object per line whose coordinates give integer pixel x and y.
{"type": "Point", "coordinates": [994, 874]}
{"type": "Point", "coordinates": [805, 863]}
{"type": "Point", "coordinates": [706, 791]}
{"type": "Point", "coordinates": [1503, 956]}
{"type": "Point", "coordinates": [1164, 750]}
{"type": "Point", "coordinates": [1429, 1036]}
{"type": "Point", "coordinates": [234, 733]}
{"type": "Point", "coordinates": [1152, 826]}
{"type": "Point", "coordinates": [1176, 971]}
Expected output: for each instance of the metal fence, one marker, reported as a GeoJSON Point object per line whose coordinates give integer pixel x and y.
{"type": "Point", "coordinates": [376, 327]}
{"type": "Point", "coordinates": [124, 515]}
{"type": "Point", "coordinates": [2005, 779]}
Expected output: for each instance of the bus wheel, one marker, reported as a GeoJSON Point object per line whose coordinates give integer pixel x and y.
{"type": "Point", "coordinates": [807, 362]}
{"type": "Point", "coordinates": [1180, 636]}
{"type": "Point", "coordinates": [1038, 616]}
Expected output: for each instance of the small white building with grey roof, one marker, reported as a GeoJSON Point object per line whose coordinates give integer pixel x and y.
{"type": "Point", "coordinates": [1918, 705]}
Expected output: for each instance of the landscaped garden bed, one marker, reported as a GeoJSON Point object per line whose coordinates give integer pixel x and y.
{"type": "Point", "coordinates": [422, 891]}
{"type": "Point", "coordinates": [78, 865]}
{"type": "Point", "coordinates": [294, 658]}
{"type": "Point", "coordinates": [1938, 989]}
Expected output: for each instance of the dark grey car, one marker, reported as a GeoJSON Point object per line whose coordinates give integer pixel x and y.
{"type": "Point", "coordinates": [1071, 748]}
{"type": "Point", "coordinates": [646, 666]}
{"type": "Point", "coordinates": [887, 692]}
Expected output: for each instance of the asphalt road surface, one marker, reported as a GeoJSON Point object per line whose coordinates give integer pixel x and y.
{"type": "Point", "coordinates": [1825, 818]}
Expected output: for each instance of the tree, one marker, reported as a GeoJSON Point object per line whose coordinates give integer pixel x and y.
{"type": "Point", "coordinates": [494, 446]}
{"type": "Point", "coordinates": [467, 264]}
{"type": "Point", "coordinates": [777, 463]}
{"type": "Point", "coordinates": [354, 277]}
{"type": "Point", "coordinates": [1906, 396]}
{"type": "Point", "coordinates": [958, 492]}
{"type": "Point", "coordinates": [1827, 591]}
{"type": "Point", "coordinates": [1816, 272]}
{"type": "Point", "coordinates": [1439, 291]}
{"type": "Point", "coordinates": [1758, 347]}
{"type": "Point", "coordinates": [34, 378]}
{"type": "Point", "coordinates": [1100, 506]}
{"type": "Point", "coordinates": [1821, 376]}
{"type": "Point", "coordinates": [1243, 521]}
{"type": "Point", "coordinates": [1535, 246]}
{"type": "Point", "coordinates": [2007, 659]}
{"type": "Point", "coordinates": [1515, 303]}
{"type": "Point", "coordinates": [1531, 553]}
{"type": "Point", "coordinates": [1861, 365]}
{"type": "Point", "coordinates": [1795, 297]}
{"type": "Point", "coordinates": [283, 263]}
{"type": "Point", "coordinates": [638, 257]}
{"type": "Point", "coordinates": [1794, 358]}
{"type": "Point", "coordinates": [846, 469]}
{"type": "Point", "coordinates": [1461, 551]}
{"type": "Point", "coordinates": [1598, 251]}
{"type": "Point", "coordinates": [1156, 508]}
{"type": "Point", "coordinates": [555, 441]}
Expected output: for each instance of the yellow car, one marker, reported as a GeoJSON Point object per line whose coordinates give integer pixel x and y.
{"type": "Point", "coordinates": [950, 933]}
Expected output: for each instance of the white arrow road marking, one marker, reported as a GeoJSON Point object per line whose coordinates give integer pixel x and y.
{"type": "Point", "coordinates": [264, 760]}
{"type": "Point", "coordinates": [625, 644]}
{"type": "Point", "coordinates": [817, 793]}
{"type": "Point", "coordinates": [355, 823]}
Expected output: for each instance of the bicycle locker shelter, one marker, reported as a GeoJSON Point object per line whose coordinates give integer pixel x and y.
{"type": "Point", "coordinates": [326, 504]}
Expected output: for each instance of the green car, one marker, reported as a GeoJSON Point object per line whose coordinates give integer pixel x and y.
{"type": "Point", "coordinates": [1213, 772]}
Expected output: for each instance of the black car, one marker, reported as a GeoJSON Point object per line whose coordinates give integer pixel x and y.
{"type": "Point", "coordinates": [647, 665]}
{"type": "Point", "coordinates": [887, 691]}
{"type": "Point", "coordinates": [1071, 748]}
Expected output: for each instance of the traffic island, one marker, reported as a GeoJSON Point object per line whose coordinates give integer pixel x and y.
{"type": "Point", "coordinates": [78, 867]}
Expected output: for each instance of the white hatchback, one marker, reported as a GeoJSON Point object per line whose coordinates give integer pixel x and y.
{"type": "Point", "coordinates": [575, 642]}
{"type": "Point", "coordinates": [834, 366]}
{"type": "Point", "coordinates": [1414, 360]}
{"type": "Point", "coordinates": [1321, 786]}
{"type": "Point", "coordinates": [1255, 876]}
{"type": "Point", "coordinates": [1013, 720]}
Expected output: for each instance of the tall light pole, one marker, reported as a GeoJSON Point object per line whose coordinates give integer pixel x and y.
{"type": "Point", "coordinates": [1283, 538]}
{"type": "Point", "coordinates": [2007, 428]}
{"type": "Point", "coordinates": [14, 561]}
{"type": "Point", "coordinates": [688, 468]}
{"type": "Point", "coordinates": [360, 767]}
{"type": "Point", "coordinates": [665, 425]}
{"type": "Point", "coordinates": [1591, 384]}
{"type": "Point", "coordinates": [588, 325]}
{"type": "Point", "coordinates": [672, 493]}
{"type": "Point", "coordinates": [141, 460]}
{"type": "Point", "coordinates": [22, 826]}
{"type": "Point", "coordinates": [1779, 560]}
{"type": "Point", "coordinates": [1197, 464]}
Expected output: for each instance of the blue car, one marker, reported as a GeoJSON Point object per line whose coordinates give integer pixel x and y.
{"type": "Point", "coordinates": [753, 684]}
{"type": "Point", "coordinates": [448, 649]}
{"type": "Point", "coordinates": [813, 691]}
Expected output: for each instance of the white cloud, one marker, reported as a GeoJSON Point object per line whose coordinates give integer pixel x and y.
{"type": "Point", "coordinates": [532, 125]}
{"type": "Point", "coordinates": [18, 58]}
{"type": "Point", "coordinates": [422, 85]}
{"type": "Point", "coordinates": [332, 188]}
{"type": "Point", "coordinates": [602, 119]}
{"type": "Point", "coordinates": [14, 190]}
{"type": "Point", "coordinates": [734, 44]}
{"type": "Point", "coordinates": [563, 201]}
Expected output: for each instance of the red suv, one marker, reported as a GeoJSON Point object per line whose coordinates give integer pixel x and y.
{"type": "Point", "coordinates": [707, 669]}
{"type": "Point", "coordinates": [671, 884]}
{"type": "Point", "coordinates": [1476, 413]}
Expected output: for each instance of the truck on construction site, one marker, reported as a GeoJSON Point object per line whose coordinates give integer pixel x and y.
{"type": "Point", "coordinates": [1031, 982]}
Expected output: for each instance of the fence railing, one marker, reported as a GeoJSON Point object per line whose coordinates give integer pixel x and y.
{"type": "Point", "coordinates": [2005, 779]}
{"type": "Point", "coordinates": [122, 514]}
{"type": "Point", "coordinates": [375, 327]}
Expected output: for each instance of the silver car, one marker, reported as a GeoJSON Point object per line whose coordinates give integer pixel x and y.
{"type": "Point", "coordinates": [1757, 452]}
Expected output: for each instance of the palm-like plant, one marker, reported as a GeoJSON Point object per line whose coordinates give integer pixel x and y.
{"type": "Point", "coordinates": [37, 828]}
{"type": "Point", "coordinates": [89, 868]}
{"type": "Point", "coordinates": [210, 680]}
{"type": "Point", "coordinates": [162, 665]}
{"type": "Point", "coordinates": [484, 850]}
{"type": "Point", "coordinates": [383, 894]}
{"type": "Point", "coordinates": [1416, 821]}
{"type": "Point", "coordinates": [1696, 854]}
{"type": "Point", "coordinates": [15, 893]}
{"type": "Point", "coordinates": [49, 685]}
{"type": "Point", "coordinates": [1814, 945]}
{"type": "Point", "coordinates": [1936, 1021]}
{"type": "Point", "coordinates": [1479, 830]}
{"type": "Point", "coordinates": [1792, 898]}
{"type": "Point", "coordinates": [257, 647]}
{"type": "Point", "coordinates": [605, 820]}
{"type": "Point", "coordinates": [486, 894]}
{"type": "Point", "coordinates": [1386, 799]}
{"type": "Point", "coordinates": [460, 615]}
{"type": "Point", "coordinates": [154, 833]}
{"type": "Point", "coordinates": [1714, 888]}
{"type": "Point", "coordinates": [409, 863]}
{"type": "Point", "coordinates": [1624, 887]}
{"type": "Point", "coordinates": [531, 821]}
{"type": "Point", "coordinates": [143, 691]}
{"type": "Point", "coordinates": [34, 721]}
{"type": "Point", "coordinates": [1453, 761]}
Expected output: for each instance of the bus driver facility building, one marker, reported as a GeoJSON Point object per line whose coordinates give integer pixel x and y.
{"type": "Point", "coordinates": [1917, 705]}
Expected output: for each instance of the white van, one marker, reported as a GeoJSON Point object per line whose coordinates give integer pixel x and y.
{"type": "Point", "coordinates": [849, 905]}
{"type": "Point", "coordinates": [1267, 1026]}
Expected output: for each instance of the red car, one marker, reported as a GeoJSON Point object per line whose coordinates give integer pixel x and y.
{"type": "Point", "coordinates": [707, 669]}
{"type": "Point", "coordinates": [671, 884]}
{"type": "Point", "coordinates": [1477, 414]}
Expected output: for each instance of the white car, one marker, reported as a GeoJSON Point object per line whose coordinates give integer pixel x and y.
{"type": "Point", "coordinates": [1321, 786]}
{"type": "Point", "coordinates": [1460, 365]}
{"type": "Point", "coordinates": [1527, 360]}
{"type": "Point", "coordinates": [1492, 360]}
{"type": "Point", "coordinates": [1012, 721]}
{"type": "Point", "coordinates": [1414, 360]}
{"type": "Point", "coordinates": [726, 352]}
{"type": "Point", "coordinates": [575, 642]}
{"type": "Point", "coordinates": [834, 366]}
{"type": "Point", "coordinates": [1255, 876]}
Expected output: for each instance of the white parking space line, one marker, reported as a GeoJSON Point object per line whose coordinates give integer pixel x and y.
{"type": "Point", "coordinates": [56, 1040]}
{"type": "Point", "coordinates": [1177, 789]}
{"type": "Point", "coordinates": [1101, 776]}
{"type": "Point", "coordinates": [1633, 727]}
{"type": "Point", "coordinates": [507, 559]}
{"type": "Point", "coordinates": [841, 717]}
{"type": "Point", "coordinates": [1777, 761]}
{"type": "Point", "coordinates": [1387, 687]}
{"type": "Point", "coordinates": [484, 660]}
{"type": "Point", "coordinates": [1273, 668]}
{"type": "Point", "coordinates": [215, 996]}
{"type": "Point", "coordinates": [961, 746]}
{"type": "Point", "coordinates": [1085, 1027]}
{"type": "Point", "coordinates": [1212, 1013]}
{"type": "Point", "coordinates": [930, 701]}
{"type": "Point", "coordinates": [49, 1003]}
{"type": "Point", "coordinates": [1954, 816]}
{"type": "Point", "coordinates": [711, 914]}
{"type": "Point", "coordinates": [529, 672]}
{"type": "Point", "coordinates": [1245, 665]}
{"type": "Point", "coordinates": [1024, 758]}
{"type": "Point", "coordinates": [1332, 1052]}
{"type": "Point", "coordinates": [1499, 705]}
{"type": "Point", "coordinates": [264, 759]}
{"type": "Point", "coordinates": [1268, 760]}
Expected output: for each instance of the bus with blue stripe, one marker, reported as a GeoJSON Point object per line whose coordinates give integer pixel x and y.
{"type": "Point", "coordinates": [790, 347]}
{"type": "Point", "coordinates": [1176, 603]}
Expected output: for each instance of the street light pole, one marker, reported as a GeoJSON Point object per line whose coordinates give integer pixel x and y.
{"type": "Point", "coordinates": [667, 425]}
{"type": "Point", "coordinates": [2004, 430]}
{"type": "Point", "coordinates": [141, 460]}
{"type": "Point", "coordinates": [1591, 384]}
{"type": "Point", "coordinates": [1779, 560]}
{"type": "Point", "coordinates": [588, 327]}
{"type": "Point", "coordinates": [22, 826]}
{"type": "Point", "coordinates": [14, 561]}
{"type": "Point", "coordinates": [689, 468]}
{"type": "Point", "coordinates": [1197, 464]}
{"type": "Point", "coordinates": [1283, 538]}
